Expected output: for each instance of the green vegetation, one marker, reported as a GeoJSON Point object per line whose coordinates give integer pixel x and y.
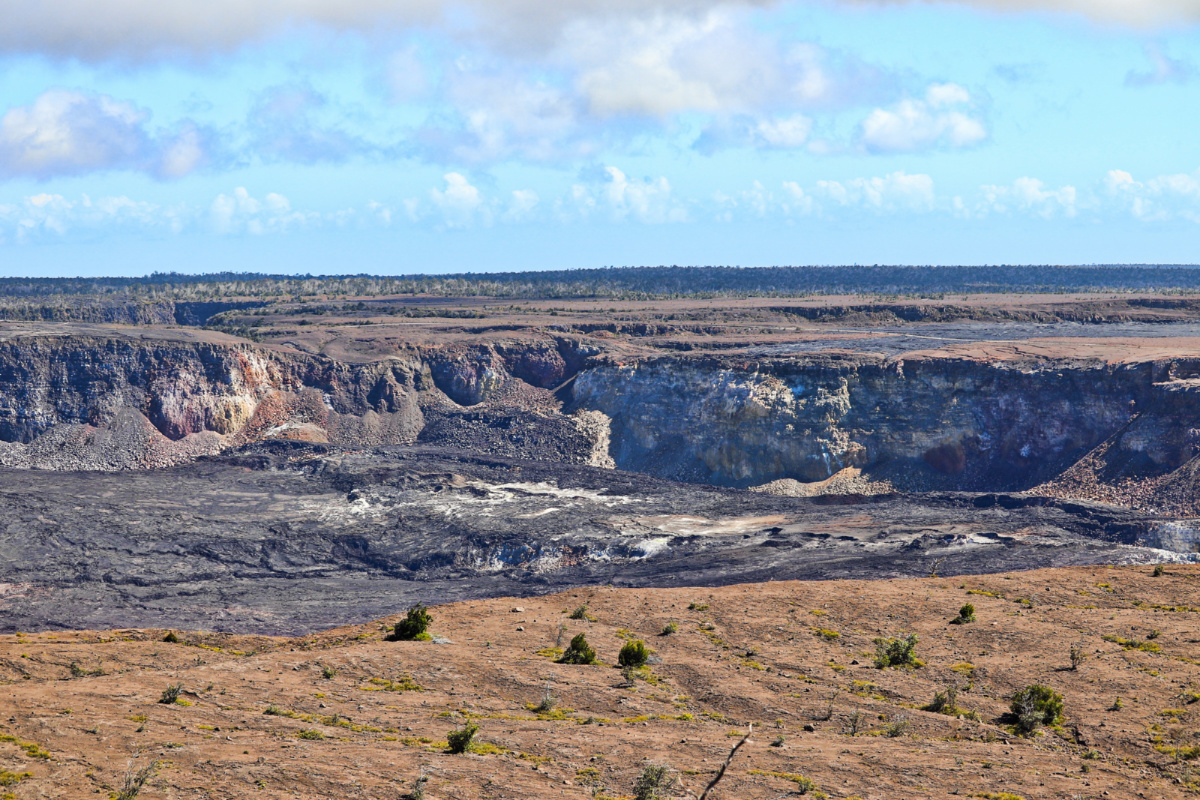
{"type": "Point", "coordinates": [578, 652]}
{"type": "Point", "coordinates": [655, 778]}
{"type": "Point", "coordinates": [669, 628]}
{"type": "Point", "coordinates": [463, 739]}
{"type": "Point", "coordinates": [310, 733]}
{"type": "Point", "coordinates": [1036, 705]}
{"type": "Point", "coordinates": [171, 637]}
{"type": "Point", "coordinates": [1078, 655]}
{"type": "Point", "coordinates": [965, 614]}
{"type": "Point", "coordinates": [1132, 644]}
{"type": "Point", "coordinates": [171, 694]}
{"type": "Point", "coordinates": [1159, 570]}
{"type": "Point", "coordinates": [898, 652]}
{"type": "Point", "coordinates": [633, 654]}
{"type": "Point", "coordinates": [581, 613]}
{"type": "Point", "coordinates": [415, 623]}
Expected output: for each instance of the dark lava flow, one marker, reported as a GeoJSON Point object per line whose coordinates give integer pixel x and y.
{"type": "Point", "coordinates": [288, 538]}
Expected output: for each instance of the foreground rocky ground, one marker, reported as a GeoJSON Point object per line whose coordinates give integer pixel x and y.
{"type": "Point", "coordinates": [347, 714]}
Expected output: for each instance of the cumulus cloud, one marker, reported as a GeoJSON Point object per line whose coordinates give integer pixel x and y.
{"type": "Point", "coordinates": [41, 216]}
{"type": "Point", "coordinates": [897, 191]}
{"type": "Point", "coordinates": [1030, 195]}
{"type": "Point", "coordinates": [1158, 199]}
{"type": "Point", "coordinates": [67, 132]}
{"type": "Point", "coordinates": [770, 133]}
{"type": "Point", "coordinates": [460, 203]}
{"type": "Point", "coordinates": [240, 212]}
{"type": "Point", "coordinates": [663, 64]}
{"type": "Point", "coordinates": [936, 121]}
{"type": "Point", "coordinates": [1163, 69]}
{"type": "Point", "coordinates": [646, 200]}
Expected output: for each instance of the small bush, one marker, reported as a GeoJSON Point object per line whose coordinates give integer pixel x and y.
{"type": "Point", "coordinates": [580, 613]}
{"type": "Point", "coordinates": [698, 606]}
{"type": "Point", "coordinates": [546, 705]}
{"type": "Point", "coordinates": [945, 702]}
{"type": "Point", "coordinates": [415, 623]}
{"type": "Point", "coordinates": [328, 672]}
{"type": "Point", "coordinates": [896, 728]}
{"type": "Point", "coordinates": [311, 734]}
{"type": "Point", "coordinates": [171, 693]}
{"type": "Point", "coordinates": [1078, 655]}
{"type": "Point", "coordinates": [1159, 570]}
{"type": "Point", "coordinates": [274, 711]}
{"type": "Point", "coordinates": [171, 637]}
{"type": "Point", "coordinates": [135, 780]}
{"type": "Point", "coordinates": [634, 654]}
{"type": "Point", "coordinates": [578, 652]}
{"type": "Point", "coordinates": [1036, 705]}
{"type": "Point", "coordinates": [896, 652]}
{"type": "Point", "coordinates": [418, 792]}
{"type": "Point", "coordinates": [965, 614]}
{"type": "Point", "coordinates": [654, 778]}
{"type": "Point", "coordinates": [669, 628]}
{"type": "Point", "coordinates": [463, 739]}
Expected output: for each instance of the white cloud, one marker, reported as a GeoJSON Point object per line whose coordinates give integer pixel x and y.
{"type": "Point", "coordinates": [54, 216]}
{"type": "Point", "coordinates": [913, 125]}
{"type": "Point", "coordinates": [240, 212]}
{"type": "Point", "coordinates": [648, 201]}
{"type": "Point", "coordinates": [460, 203]}
{"type": "Point", "coordinates": [1161, 198]}
{"type": "Point", "coordinates": [1030, 195]}
{"type": "Point", "coordinates": [71, 133]}
{"type": "Point", "coordinates": [897, 191]}
{"type": "Point", "coordinates": [140, 29]}
{"type": "Point", "coordinates": [521, 205]}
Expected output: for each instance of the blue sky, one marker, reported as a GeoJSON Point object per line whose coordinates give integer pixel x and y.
{"type": "Point", "coordinates": [437, 136]}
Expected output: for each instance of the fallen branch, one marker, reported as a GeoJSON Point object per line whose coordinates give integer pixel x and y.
{"type": "Point", "coordinates": [725, 766]}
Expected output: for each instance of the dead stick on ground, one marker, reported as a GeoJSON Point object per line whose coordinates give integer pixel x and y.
{"type": "Point", "coordinates": [725, 766]}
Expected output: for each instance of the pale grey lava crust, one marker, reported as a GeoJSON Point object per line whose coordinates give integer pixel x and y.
{"type": "Point", "coordinates": [290, 538]}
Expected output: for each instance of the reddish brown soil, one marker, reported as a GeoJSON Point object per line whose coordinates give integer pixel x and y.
{"type": "Point", "coordinates": [763, 662]}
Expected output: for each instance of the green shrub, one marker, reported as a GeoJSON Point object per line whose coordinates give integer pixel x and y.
{"type": "Point", "coordinates": [578, 652]}
{"type": "Point", "coordinates": [171, 637]}
{"type": "Point", "coordinates": [415, 623]}
{"type": "Point", "coordinates": [1159, 570]}
{"type": "Point", "coordinates": [965, 614]}
{"type": "Point", "coordinates": [171, 693]}
{"type": "Point", "coordinates": [581, 613]}
{"type": "Point", "coordinates": [899, 652]}
{"type": "Point", "coordinates": [945, 702]}
{"type": "Point", "coordinates": [1078, 655]}
{"type": "Point", "coordinates": [1036, 705]}
{"type": "Point", "coordinates": [634, 654]}
{"type": "Point", "coordinates": [310, 733]}
{"type": "Point", "coordinates": [669, 628]}
{"type": "Point", "coordinates": [328, 672]}
{"type": "Point", "coordinates": [654, 777]}
{"type": "Point", "coordinates": [463, 739]}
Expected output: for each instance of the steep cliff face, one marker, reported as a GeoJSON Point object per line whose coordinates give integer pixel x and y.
{"type": "Point", "coordinates": [124, 401]}
{"type": "Point", "coordinates": [920, 423]}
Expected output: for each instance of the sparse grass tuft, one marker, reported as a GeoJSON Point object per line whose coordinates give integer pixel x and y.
{"type": "Point", "coordinates": [135, 780]}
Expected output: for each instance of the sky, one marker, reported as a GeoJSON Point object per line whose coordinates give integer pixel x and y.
{"type": "Point", "coordinates": [432, 136]}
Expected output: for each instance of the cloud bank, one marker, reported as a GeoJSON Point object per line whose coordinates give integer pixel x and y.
{"type": "Point", "coordinates": [141, 29]}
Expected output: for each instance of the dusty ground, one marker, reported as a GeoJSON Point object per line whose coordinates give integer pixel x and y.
{"type": "Point", "coordinates": [753, 654]}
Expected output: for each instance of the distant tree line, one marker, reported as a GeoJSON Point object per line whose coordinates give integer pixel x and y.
{"type": "Point", "coordinates": [621, 283]}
